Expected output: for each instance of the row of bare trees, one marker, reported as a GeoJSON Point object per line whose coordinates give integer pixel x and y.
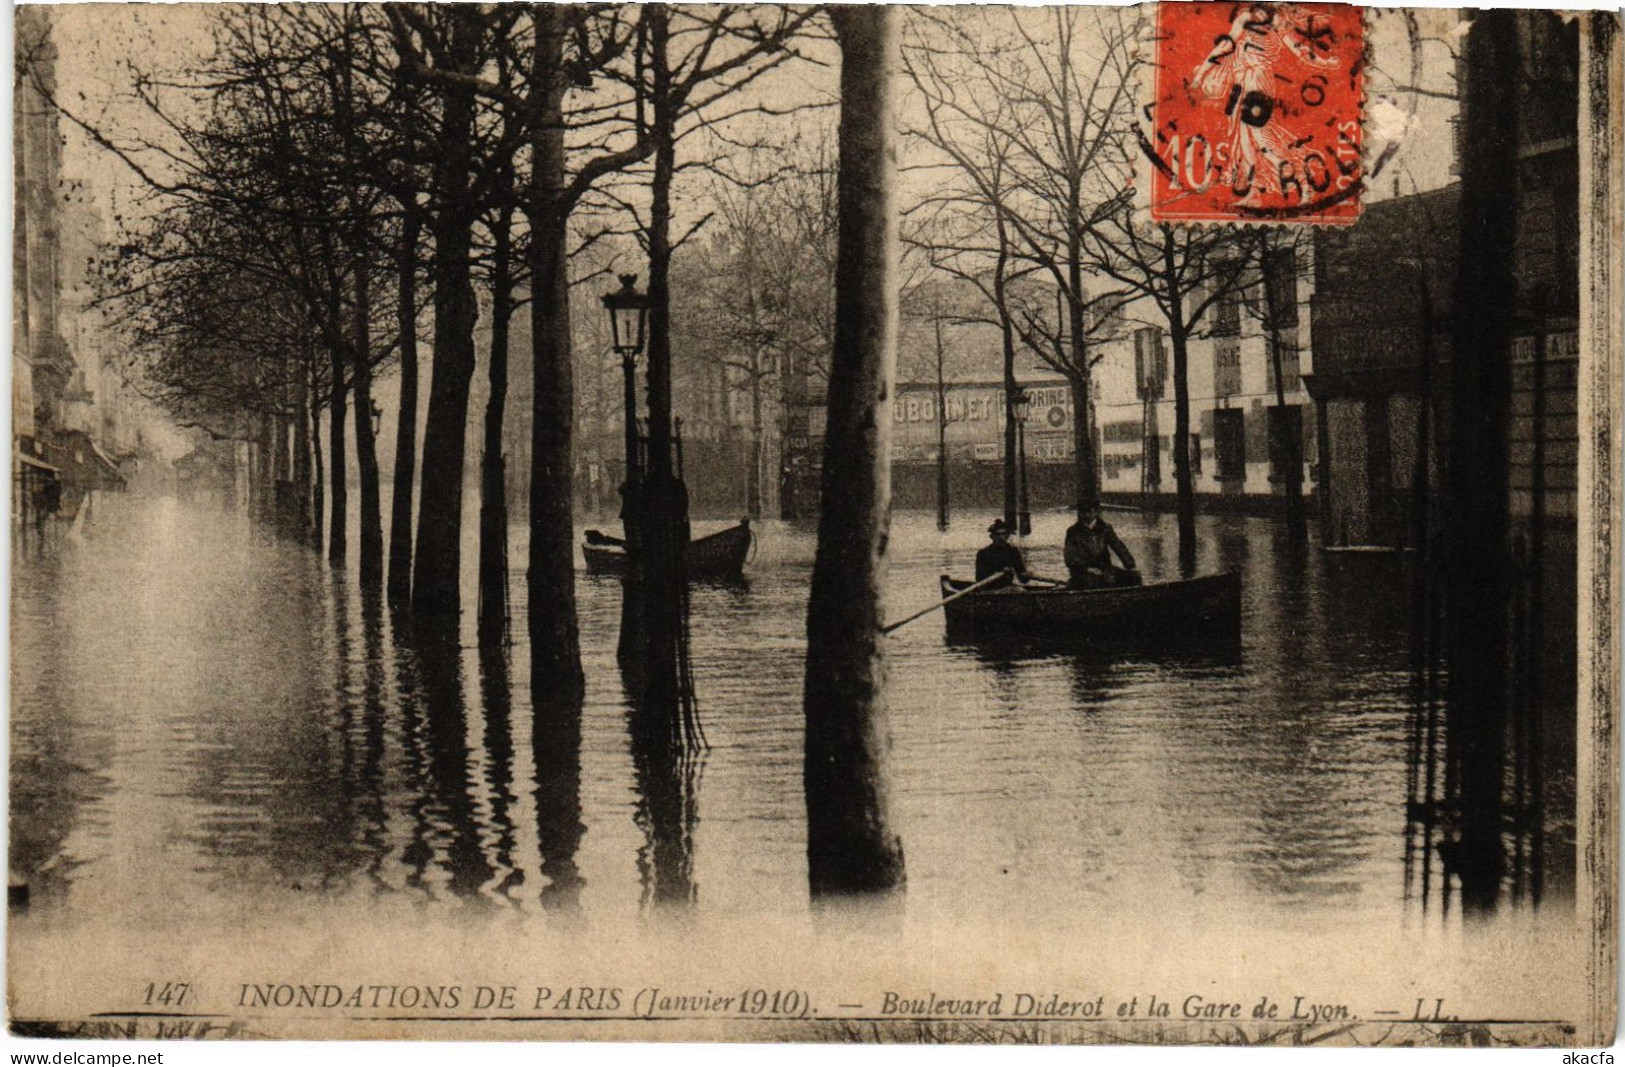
{"type": "Point", "coordinates": [1028, 125]}
{"type": "Point", "coordinates": [336, 181]}
{"type": "Point", "coordinates": [334, 172]}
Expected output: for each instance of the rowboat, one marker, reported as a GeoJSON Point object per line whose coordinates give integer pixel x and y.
{"type": "Point", "coordinates": [715, 557]}
{"type": "Point", "coordinates": [1206, 609]}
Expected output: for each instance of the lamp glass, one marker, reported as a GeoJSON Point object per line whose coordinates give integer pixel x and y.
{"type": "Point", "coordinates": [627, 323]}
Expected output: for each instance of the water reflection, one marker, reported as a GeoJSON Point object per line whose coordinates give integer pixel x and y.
{"type": "Point", "coordinates": [556, 757]}
{"type": "Point", "coordinates": [666, 776]}
{"type": "Point", "coordinates": [496, 699]}
{"type": "Point", "coordinates": [250, 717]}
{"type": "Point", "coordinates": [446, 840]}
{"type": "Point", "coordinates": [370, 809]}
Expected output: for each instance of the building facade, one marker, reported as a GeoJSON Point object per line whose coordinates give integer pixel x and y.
{"type": "Point", "coordinates": [1382, 340]}
{"type": "Point", "coordinates": [41, 363]}
{"type": "Point", "coordinates": [1244, 431]}
{"type": "Point", "coordinates": [1383, 324]}
{"type": "Point", "coordinates": [71, 432]}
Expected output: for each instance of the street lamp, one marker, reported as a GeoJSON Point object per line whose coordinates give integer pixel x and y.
{"type": "Point", "coordinates": [1021, 406]}
{"type": "Point", "coordinates": [628, 311]}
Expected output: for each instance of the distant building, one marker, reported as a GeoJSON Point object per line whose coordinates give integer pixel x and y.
{"type": "Point", "coordinates": [1381, 334]}
{"type": "Point", "coordinates": [209, 473]}
{"type": "Point", "coordinates": [41, 363]}
{"type": "Point", "coordinates": [1240, 438]}
{"type": "Point", "coordinates": [1383, 322]}
{"type": "Point", "coordinates": [71, 434]}
{"type": "Point", "coordinates": [968, 415]}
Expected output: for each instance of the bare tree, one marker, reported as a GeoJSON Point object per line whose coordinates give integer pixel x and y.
{"type": "Point", "coordinates": [571, 45]}
{"type": "Point", "coordinates": [851, 847]}
{"type": "Point", "coordinates": [932, 304]}
{"type": "Point", "coordinates": [1036, 119]}
{"type": "Point", "coordinates": [694, 63]}
{"type": "Point", "coordinates": [968, 247]}
{"type": "Point", "coordinates": [273, 161]}
{"type": "Point", "coordinates": [446, 49]}
{"type": "Point", "coordinates": [1180, 272]}
{"type": "Point", "coordinates": [1271, 298]}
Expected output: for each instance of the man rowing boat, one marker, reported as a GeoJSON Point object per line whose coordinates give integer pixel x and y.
{"type": "Point", "coordinates": [1000, 555]}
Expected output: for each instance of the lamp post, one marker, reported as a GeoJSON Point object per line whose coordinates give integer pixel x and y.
{"type": "Point", "coordinates": [628, 313]}
{"type": "Point", "coordinates": [1021, 405]}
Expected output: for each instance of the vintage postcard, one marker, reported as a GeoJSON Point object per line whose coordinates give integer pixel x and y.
{"type": "Point", "coordinates": [819, 524]}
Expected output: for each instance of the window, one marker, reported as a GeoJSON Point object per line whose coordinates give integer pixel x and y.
{"type": "Point", "coordinates": [1153, 460]}
{"type": "Point", "coordinates": [1124, 432]}
{"type": "Point", "coordinates": [1227, 368]}
{"type": "Point", "coordinates": [1227, 309]}
{"type": "Point", "coordinates": [1196, 453]}
{"type": "Point", "coordinates": [1281, 287]}
{"type": "Point", "coordinates": [1230, 442]}
{"type": "Point", "coordinates": [1286, 439]}
{"type": "Point", "coordinates": [1150, 363]}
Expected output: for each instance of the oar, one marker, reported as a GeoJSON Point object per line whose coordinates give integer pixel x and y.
{"type": "Point", "coordinates": [1004, 575]}
{"type": "Point", "coordinates": [1041, 578]}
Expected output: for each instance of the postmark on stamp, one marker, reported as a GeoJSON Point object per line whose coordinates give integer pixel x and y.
{"type": "Point", "coordinates": [1257, 113]}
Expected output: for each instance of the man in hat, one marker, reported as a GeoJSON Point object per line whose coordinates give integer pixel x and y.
{"type": "Point", "coordinates": [1000, 555]}
{"type": "Point", "coordinates": [1090, 544]}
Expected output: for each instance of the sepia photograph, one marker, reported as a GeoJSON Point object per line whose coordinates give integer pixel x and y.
{"type": "Point", "coordinates": [844, 524]}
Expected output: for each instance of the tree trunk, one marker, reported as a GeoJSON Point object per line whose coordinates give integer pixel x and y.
{"type": "Point", "coordinates": [338, 536]}
{"type": "Point", "coordinates": [301, 455]}
{"type": "Point", "coordinates": [366, 448]}
{"type": "Point", "coordinates": [1082, 414]}
{"type": "Point", "coordinates": [1290, 443]}
{"type": "Point", "coordinates": [1007, 338]}
{"type": "Point", "coordinates": [399, 580]}
{"type": "Point", "coordinates": [319, 480]}
{"type": "Point", "coordinates": [279, 449]}
{"type": "Point", "coordinates": [555, 640]}
{"type": "Point", "coordinates": [436, 593]}
{"type": "Point", "coordinates": [657, 547]}
{"type": "Point", "coordinates": [851, 847]}
{"type": "Point", "coordinates": [265, 469]}
{"type": "Point", "coordinates": [1184, 489]}
{"type": "Point", "coordinates": [753, 488]}
{"type": "Point", "coordinates": [942, 434]}
{"type": "Point", "coordinates": [1178, 335]}
{"type": "Point", "coordinates": [493, 578]}
{"type": "Point", "coordinates": [1478, 571]}
{"type": "Point", "coordinates": [1078, 386]}
{"type": "Point", "coordinates": [1422, 472]}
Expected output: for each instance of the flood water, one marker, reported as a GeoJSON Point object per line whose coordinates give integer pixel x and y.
{"type": "Point", "coordinates": [201, 714]}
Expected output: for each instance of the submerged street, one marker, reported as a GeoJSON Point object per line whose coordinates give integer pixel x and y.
{"type": "Point", "coordinates": [203, 716]}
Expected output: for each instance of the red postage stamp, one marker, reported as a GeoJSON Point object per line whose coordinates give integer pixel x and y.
{"type": "Point", "coordinates": [1257, 113]}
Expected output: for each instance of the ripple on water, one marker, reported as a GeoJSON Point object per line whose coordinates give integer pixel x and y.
{"type": "Point", "coordinates": [186, 689]}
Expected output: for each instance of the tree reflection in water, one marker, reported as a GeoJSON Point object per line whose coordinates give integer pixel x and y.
{"type": "Point", "coordinates": [556, 755]}
{"type": "Point", "coordinates": [667, 767]}
{"type": "Point", "coordinates": [496, 692]}
{"type": "Point", "coordinates": [370, 809]}
{"type": "Point", "coordinates": [445, 833]}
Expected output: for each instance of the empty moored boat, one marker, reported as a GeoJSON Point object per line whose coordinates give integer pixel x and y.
{"type": "Point", "coordinates": [719, 556]}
